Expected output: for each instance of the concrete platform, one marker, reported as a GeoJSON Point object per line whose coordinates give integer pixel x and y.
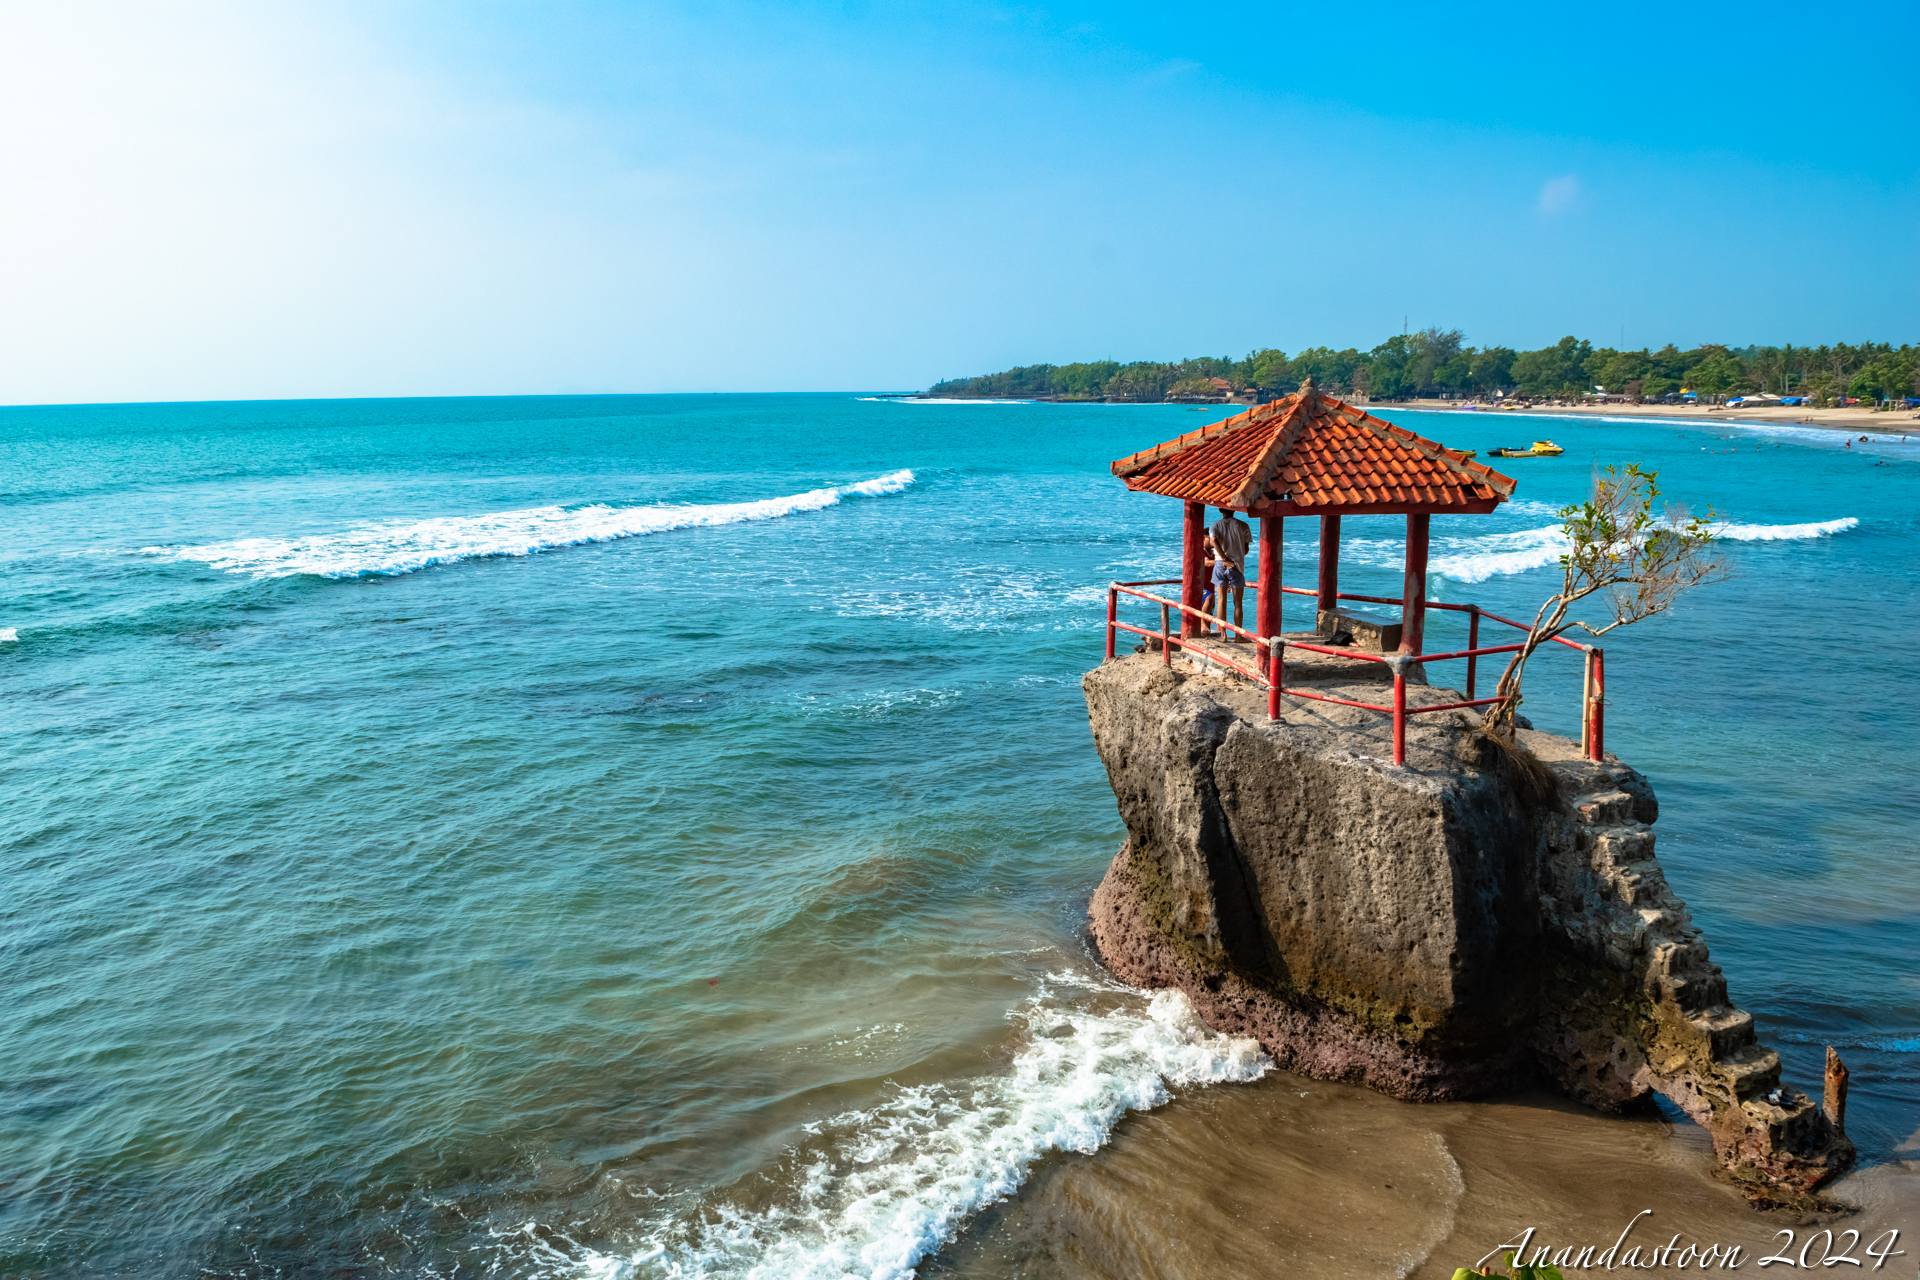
{"type": "Point", "coordinates": [1302, 666]}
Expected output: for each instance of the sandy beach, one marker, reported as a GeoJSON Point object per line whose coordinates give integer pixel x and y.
{"type": "Point", "coordinates": [1857, 419]}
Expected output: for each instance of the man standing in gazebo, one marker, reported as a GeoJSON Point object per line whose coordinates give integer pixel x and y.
{"type": "Point", "coordinates": [1231, 538]}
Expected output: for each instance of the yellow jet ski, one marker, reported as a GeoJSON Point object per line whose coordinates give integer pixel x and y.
{"type": "Point", "coordinates": [1540, 449]}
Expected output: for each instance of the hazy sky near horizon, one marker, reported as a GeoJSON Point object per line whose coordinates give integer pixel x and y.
{"type": "Point", "coordinates": [202, 199]}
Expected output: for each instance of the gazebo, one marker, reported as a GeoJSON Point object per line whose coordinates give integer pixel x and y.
{"type": "Point", "coordinates": [1309, 454]}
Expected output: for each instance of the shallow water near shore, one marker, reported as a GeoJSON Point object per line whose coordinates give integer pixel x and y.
{"type": "Point", "coordinates": [648, 836]}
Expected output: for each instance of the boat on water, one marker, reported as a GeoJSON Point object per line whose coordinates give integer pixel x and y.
{"type": "Point", "coordinates": [1539, 449]}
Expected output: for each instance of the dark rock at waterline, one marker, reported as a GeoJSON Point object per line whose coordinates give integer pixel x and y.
{"type": "Point", "coordinates": [1454, 929]}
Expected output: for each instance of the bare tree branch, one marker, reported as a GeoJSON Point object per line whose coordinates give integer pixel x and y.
{"type": "Point", "coordinates": [1618, 550]}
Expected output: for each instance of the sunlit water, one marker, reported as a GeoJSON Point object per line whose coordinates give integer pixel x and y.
{"type": "Point", "coordinates": [651, 836]}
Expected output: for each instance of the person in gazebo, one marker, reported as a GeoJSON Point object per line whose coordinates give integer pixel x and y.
{"type": "Point", "coordinates": [1231, 537]}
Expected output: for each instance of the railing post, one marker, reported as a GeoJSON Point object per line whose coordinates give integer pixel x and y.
{"type": "Point", "coordinates": [1166, 637]}
{"type": "Point", "coordinates": [1598, 750]}
{"type": "Point", "coordinates": [1399, 713]}
{"type": "Point", "coordinates": [1276, 672]}
{"type": "Point", "coordinates": [1586, 702]}
{"type": "Point", "coordinates": [1113, 599]}
{"type": "Point", "coordinates": [1473, 642]}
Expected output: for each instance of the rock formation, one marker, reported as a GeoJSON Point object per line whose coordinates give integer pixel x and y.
{"type": "Point", "coordinates": [1453, 929]}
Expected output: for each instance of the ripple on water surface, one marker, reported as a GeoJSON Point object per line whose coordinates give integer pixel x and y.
{"type": "Point", "coordinates": [703, 894]}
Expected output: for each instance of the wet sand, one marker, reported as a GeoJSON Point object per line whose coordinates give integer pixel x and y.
{"type": "Point", "coordinates": [1296, 1178]}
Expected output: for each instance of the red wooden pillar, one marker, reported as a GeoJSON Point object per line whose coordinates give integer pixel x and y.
{"type": "Point", "coordinates": [1329, 564]}
{"type": "Point", "coordinates": [1413, 601]}
{"type": "Point", "coordinates": [1193, 562]}
{"type": "Point", "coordinates": [1267, 605]}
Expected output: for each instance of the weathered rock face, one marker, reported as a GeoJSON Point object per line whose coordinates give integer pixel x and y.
{"type": "Point", "coordinates": [1438, 931]}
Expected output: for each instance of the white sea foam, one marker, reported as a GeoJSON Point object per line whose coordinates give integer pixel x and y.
{"type": "Point", "coordinates": [1439, 1227]}
{"type": "Point", "coordinates": [1528, 507]}
{"type": "Point", "coordinates": [8, 635]}
{"type": "Point", "coordinates": [1780, 532]}
{"type": "Point", "coordinates": [1885, 1044]}
{"type": "Point", "coordinates": [1496, 555]}
{"type": "Point", "coordinates": [956, 400]}
{"type": "Point", "coordinates": [388, 550]}
{"type": "Point", "coordinates": [880, 1189]}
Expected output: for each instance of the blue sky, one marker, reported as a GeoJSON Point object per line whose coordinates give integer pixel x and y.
{"type": "Point", "coordinates": [210, 199]}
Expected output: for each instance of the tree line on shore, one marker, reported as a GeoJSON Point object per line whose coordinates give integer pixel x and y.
{"type": "Point", "coordinates": [1437, 362]}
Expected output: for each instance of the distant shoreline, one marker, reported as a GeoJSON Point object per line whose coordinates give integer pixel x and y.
{"type": "Point", "coordinates": [1847, 419]}
{"type": "Point", "coordinates": [1897, 423]}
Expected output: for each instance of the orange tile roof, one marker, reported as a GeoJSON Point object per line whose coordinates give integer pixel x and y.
{"type": "Point", "coordinates": [1312, 453]}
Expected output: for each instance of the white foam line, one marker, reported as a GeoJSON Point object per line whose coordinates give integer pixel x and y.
{"type": "Point", "coordinates": [956, 400]}
{"type": "Point", "coordinates": [1783, 532]}
{"type": "Point", "coordinates": [1077, 404]}
{"type": "Point", "coordinates": [891, 1184]}
{"type": "Point", "coordinates": [1528, 507]}
{"type": "Point", "coordinates": [388, 550]}
{"type": "Point", "coordinates": [1500, 554]}
{"type": "Point", "coordinates": [1442, 1226]}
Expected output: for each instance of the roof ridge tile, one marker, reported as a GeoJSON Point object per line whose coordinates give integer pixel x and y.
{"type": "Point", "coordinates": [1311, 451]}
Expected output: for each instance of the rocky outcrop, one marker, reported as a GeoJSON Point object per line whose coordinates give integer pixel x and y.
{"type": "Point", "coordinates": [1450, 929]}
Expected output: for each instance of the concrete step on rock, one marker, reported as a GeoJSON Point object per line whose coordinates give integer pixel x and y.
{"type": "Point", "coordinates": [1699, 991]}
{"type": "Point", "coordinates": [1622, 844]}
{"type": "Point", "coordinates": [1752, 1070]}
{"type": "Point", "coordinates": [1604, 809]}
{"type": "Point", "coordinates": [1643, 886]}
{"type": "Point", "coordinates": [1728, 1030]}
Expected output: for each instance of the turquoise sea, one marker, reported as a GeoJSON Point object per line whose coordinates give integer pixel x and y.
{"type": "Point", "coordinates": [650, 836]}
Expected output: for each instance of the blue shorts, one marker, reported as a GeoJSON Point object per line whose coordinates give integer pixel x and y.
{"type": "Point", "coordinates": [1225, 574]}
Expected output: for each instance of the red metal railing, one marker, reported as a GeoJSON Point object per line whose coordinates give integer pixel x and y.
{"type": "Point", "coordinates": [1269, 671]}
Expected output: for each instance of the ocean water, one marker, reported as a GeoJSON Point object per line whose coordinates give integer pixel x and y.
{"type": "Point", "coordinates": [650, 836]}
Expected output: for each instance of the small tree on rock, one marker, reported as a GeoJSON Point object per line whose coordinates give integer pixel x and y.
{"type": "Point", "coordinates": [1637, 562]}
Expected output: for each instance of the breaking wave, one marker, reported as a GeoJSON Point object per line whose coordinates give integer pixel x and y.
{"type": "Point", "coordinates": [956, 400]}
{"type": "Point", "coordinates": [389, 550]}
{"type": "Point", "coordinates": [875, 1191]}
{"type": "Point", "coordinates": [1499, 554]}
{"type": "Point", "coordinates": [1782, 532]}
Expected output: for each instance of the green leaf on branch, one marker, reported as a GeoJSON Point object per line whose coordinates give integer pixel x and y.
{"type": "Point", "coordinates": [1619, 550]}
